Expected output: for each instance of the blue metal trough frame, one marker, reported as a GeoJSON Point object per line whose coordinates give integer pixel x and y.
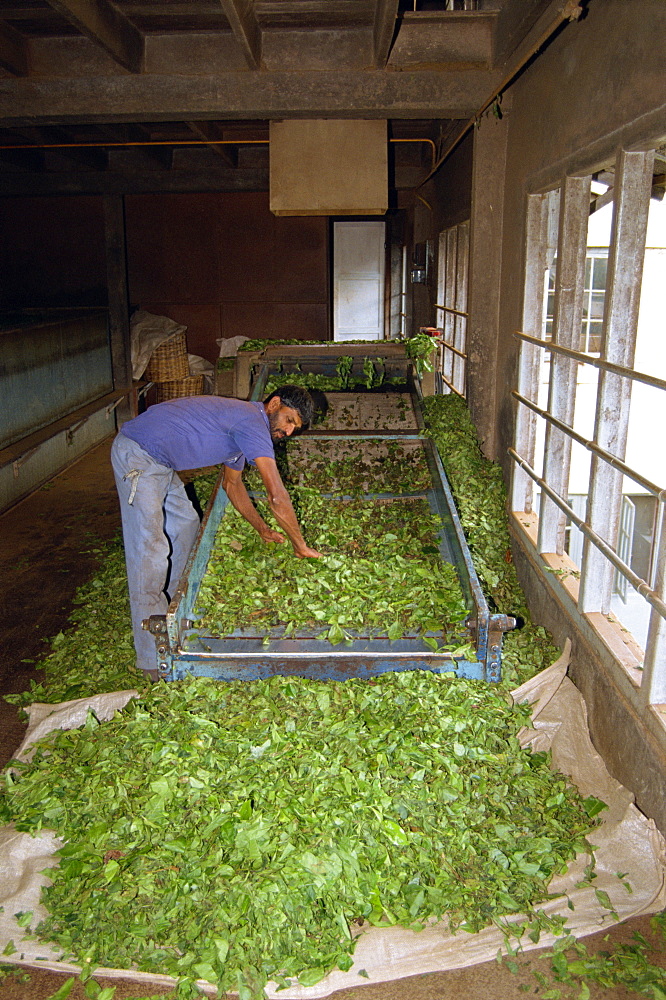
{"type": "Point", "coordinates": [249, 654]}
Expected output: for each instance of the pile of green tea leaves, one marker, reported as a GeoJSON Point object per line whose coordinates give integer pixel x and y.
{"type": "Point", "coordinates": [420, 349]}
{"type": "Point", "coordinates": [247, 831]}
{"type": "Point", "coordinates": [257, 344]}
{"type": "Point", "coordinates": [244, 832]}
{"type": "Point", "coordinates": [481, 502]}
{"type": "Point", "coordinates": [225, 364]}
{"type": "Point", "coordinates": [346, 379]}
{"type": "Point", "coordinates": [329, 467]}
{"type": "Point", "coordinates": [381, 573]}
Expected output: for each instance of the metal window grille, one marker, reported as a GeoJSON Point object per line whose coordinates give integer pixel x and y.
{"type": "Point", "coordinates": [594, 295]}
{"type": "Point", "coordinates": [451, 308]}
{"type": "Point", "coordinates": [581, 308]}
{"type": "Point", "coordinates": [625, 545]}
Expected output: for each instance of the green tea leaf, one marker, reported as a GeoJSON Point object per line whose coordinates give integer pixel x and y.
{"type": "Point", "coordinates": [64, 990]}
{"type": "Point", "coordinates": [594, 806]}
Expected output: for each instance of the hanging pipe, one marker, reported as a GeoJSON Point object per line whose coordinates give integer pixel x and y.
{"type": "Point", "coordinates": [172, 142]}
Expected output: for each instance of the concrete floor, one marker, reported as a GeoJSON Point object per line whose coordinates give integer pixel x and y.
{"type": "Point", "coordinates": [46, 553]}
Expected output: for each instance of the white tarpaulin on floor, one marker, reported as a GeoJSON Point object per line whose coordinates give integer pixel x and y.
{"type": "Point", "coordinates": [625, 842]}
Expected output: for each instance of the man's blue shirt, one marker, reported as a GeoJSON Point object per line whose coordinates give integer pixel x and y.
{"type": "Point", "coordinates": [192, 432]}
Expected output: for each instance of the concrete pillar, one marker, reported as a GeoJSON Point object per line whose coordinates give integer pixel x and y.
{"type": "Point", "coordinates": [486, 228]}
{"type": "Point", "coordinates": [119, 328]}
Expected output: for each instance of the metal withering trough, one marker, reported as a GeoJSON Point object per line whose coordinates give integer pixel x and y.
{"type": "Point", "coordinates": [248, 654]}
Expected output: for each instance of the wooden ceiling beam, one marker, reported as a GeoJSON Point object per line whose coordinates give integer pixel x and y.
{"type": "Point", "coordinates": [243, 95]}
{"type": "Point", "coordinates": [520, 23]}
{"type": "Point", "coordinates": [107, 27]}
{"type": "Point", "coordinates": [386, 13]}
{"type": "Point", "coordinates": [13, 51]}
{"type": "Point", "coordinates": [242, 18]}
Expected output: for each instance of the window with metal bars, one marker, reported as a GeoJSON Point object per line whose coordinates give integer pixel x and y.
{"type": "Point", "coordinates": [451, 307]}
{"type": "Point", "coordinates": [591, 396]}
{"type": "Point", "coordinates": [594, 294]}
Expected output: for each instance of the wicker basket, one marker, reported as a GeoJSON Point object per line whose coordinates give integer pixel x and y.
{"type": "Point", "coordinates": [174, 388]}
{"type": "Point", "coordinates": [169, 361]}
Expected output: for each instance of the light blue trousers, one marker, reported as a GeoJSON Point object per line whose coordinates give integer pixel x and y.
{"type": "Point", "coordinates": [159, 528]}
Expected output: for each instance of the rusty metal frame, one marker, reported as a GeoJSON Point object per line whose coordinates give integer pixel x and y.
{"type": "Point", "coordinates": [249, 654]}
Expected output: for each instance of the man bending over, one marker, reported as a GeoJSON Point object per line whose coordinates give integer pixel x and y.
{"type": "Point", "coordinates": [159, 521]}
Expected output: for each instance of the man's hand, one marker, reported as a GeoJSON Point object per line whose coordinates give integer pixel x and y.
{"type": "Point", "coordinates": [279, 502]}
{"type": "Point", "coordinates": [281, 506]}
{"type": "Point", "coordinates": [307, 553]}
{"type": "Point", "coordinates": [268, 535]}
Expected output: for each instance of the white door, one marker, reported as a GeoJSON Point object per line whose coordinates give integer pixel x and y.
{"type": "Point", "coordinates": [358, 280]}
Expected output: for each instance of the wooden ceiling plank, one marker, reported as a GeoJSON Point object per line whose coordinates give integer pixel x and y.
{"type": "Point", "coordinates": [129, 134]}
{"type": "Point", "coordinates": [88, 158]}
{"type": "Point", "coordinates": [286, 14]}
{"type": "Point", "coordinates": [130, 179]}
{"type": "Point", "coordinates": [115, 133]}
{"type": "Point", "coordinates": [386, 13]}
{"type": "Point", "coordinates": [28, 161]}
{"type": "Point", "coordinates": [208, 134]}
{"type": "Point", "coordinates": [245, 27]}
{"type": "Point", "coordinates": [13, 51]}
{"type": "Point", "coordinates": [105, 25]}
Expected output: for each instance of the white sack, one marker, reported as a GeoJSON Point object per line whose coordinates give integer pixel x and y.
{"type": "Point", "coordinates": [199, 366]}
{"type": "Point", "coordinates": [626, 841]}
{"type": "Point", "coordinates": [44, 718]}
{"type": "Point", "coordinates": [229, 346]}
{"type": "Point", "coordinates": [147, 332]}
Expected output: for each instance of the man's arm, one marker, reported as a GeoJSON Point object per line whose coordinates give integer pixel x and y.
{"type": "Point", "coordinates": [278, 500]}
{"type": "Point", "coordinates": [234, 487]}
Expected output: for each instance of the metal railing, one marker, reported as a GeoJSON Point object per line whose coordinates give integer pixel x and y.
{"type": "Point", "coordinates": [653, 682]}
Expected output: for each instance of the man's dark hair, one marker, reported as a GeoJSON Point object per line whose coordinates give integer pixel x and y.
{"type": "Point", "coordinates": [298, 399]}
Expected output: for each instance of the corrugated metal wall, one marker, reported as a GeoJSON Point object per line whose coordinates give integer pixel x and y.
{"type": "Point", "coordinates": [50, 368]}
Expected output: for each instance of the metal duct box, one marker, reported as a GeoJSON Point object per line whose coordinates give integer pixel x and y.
{"type": "Point", "coordinates": [328, 167]}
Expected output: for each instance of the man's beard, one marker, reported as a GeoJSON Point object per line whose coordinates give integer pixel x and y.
{"type": "Point", "coordinates": [276, 435]}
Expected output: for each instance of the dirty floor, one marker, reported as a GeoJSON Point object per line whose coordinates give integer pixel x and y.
{"type": "Point", "coordinates": [47, 550]}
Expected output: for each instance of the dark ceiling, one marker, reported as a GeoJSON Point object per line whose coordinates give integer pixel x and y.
{"type": "Point", "coordinates": [121, 95]}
